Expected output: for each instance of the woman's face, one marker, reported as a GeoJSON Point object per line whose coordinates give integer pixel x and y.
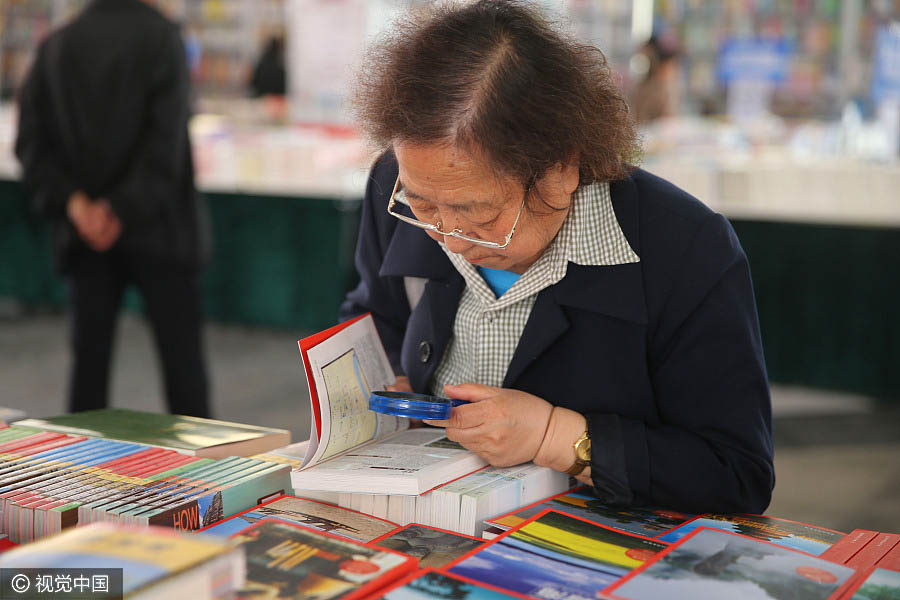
{"type": "Point", "coordinates": [448, 184]}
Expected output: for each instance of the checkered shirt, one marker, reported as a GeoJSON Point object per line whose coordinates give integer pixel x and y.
{"type": "Point", "coordinates": [487, 329]}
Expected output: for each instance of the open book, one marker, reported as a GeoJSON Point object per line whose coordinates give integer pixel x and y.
{"type": "Point", "coordinates": [353, 449]}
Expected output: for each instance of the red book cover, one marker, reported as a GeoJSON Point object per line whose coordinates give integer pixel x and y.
{"type": "Point", "coordinates": [305, 344]}
{"type": "Point", "coordinates": [891, 560]}
{"type": "Point", "coordinates": [844, 549]}
{"type": "Point", "coordinates": [874, 551]}
{"type": "Point", "coordinates": [286, 561]}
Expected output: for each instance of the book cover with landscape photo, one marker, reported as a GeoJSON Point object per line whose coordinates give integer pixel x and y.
{"type": "Point", "coordinates": [432, 546]}
{"type": "Point", "coordinates": [715, 564]}
{"type": "Point", "coordinates": [580, 502]}
{"type": "Point", "coordinates": [790, 534]}
{"type": "Point", "coordinates": [555, 555]}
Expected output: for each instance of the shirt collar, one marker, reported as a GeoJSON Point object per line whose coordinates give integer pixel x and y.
{"type": "Point", "coordinates": [590, 236]}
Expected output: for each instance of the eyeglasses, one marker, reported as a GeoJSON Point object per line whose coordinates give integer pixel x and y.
{"type": "Point", "coordinates": [457, 233]}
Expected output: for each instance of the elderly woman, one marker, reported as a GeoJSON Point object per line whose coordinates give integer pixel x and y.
{"type": "Point", "coordinates": [599, 320]}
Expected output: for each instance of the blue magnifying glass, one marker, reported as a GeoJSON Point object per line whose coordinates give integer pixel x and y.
{"type": "Point", "coordinates": [412, 405]}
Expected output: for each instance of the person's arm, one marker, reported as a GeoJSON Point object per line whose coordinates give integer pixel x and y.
{"type": "Point", "coordinates": [384, 297]}
{"type": "Point", "coordinates": [155, 175]}
{"type": "Point", "coordinates": [49, 184]}
{"type": "Point", "coordinates": [712, 448]}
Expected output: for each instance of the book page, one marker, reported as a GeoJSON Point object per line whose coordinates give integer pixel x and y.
{"type": "Point", "coordinates": [405, 454]}
{"type": "Point", "coordinates": [346, 368]}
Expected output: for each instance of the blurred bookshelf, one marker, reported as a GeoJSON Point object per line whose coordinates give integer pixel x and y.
{"type": "Point", "coordinates": [223, 38]}
{"type": "Point", "coordinates": [832, 44]}
{"type": "Point", "coordinates": [23, 24]}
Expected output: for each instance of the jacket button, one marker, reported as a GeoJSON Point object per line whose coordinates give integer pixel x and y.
{"type": "Point", "coordinates": [424, 351]}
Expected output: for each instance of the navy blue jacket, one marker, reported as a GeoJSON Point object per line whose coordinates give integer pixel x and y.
{"type": "Point", "coordinates": [663, 356]}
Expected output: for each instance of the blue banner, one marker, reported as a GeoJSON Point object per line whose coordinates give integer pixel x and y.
{"type": "Point", "coordinates": [754, 60]}
{"type": "Point", "coordinates": [886, 70]}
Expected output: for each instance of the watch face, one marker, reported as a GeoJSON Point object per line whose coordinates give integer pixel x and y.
{"type": "Point", "coordinates": [583, 451]}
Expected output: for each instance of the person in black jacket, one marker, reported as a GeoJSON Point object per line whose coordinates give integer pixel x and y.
{"type": "Point", "coordinates": [106, 157]}
{"type": "Point", "coordinates": [599, 320]}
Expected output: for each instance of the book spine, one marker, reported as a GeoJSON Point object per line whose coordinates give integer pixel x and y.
{"type": "Point", "coordinates": [874, 551]}
{"type": "Point", "coordinates": [233, 498]}
{"type": "Point", "coordinates": [846, 547]}
{"type": "Point", "coordinates": [891, 560]}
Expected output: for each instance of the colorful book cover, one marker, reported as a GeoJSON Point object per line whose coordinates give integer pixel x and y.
{"type": "Point", "coordinates": [790, 534]}
{"type": "Point", "coordinates": [289, 561]}
{"type": "Point", "coordinates": [213, 505]}
{"type": "Point", "coordinates": [556, 555]}
{"type": "Point", "coordinates": [201, 437]}
{"type": "Point", "coordinates": [432, 546]}
{"type": "Point", "coordinates": [429, 584]}
{"type": "Point", "coordinates": [309, 513]}
{"type": "Point", "coordinates": [146, 555]}
{"type": "Point", "coordinates": [170, 489]}
{"type": "Point", "coordinates": [875, 584]}
{"type": "Point", "coordinates": [580, 502]}
{"type": "Point", "coordinates": [711, 563]}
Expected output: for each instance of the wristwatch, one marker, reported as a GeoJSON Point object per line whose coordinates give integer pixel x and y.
{"type": "Point", "coordinates": [582, 448]}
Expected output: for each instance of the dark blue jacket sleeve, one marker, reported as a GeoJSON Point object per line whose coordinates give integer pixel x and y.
{"type": "Point", "coordinates": [711, 449]}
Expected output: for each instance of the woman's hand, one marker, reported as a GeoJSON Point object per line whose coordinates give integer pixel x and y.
{"type": "Point", "coordinates": [504, 427]}
{"type": "Point", "coordinates": [401, 385]}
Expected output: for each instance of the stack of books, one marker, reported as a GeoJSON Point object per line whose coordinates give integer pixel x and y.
{"type": "Point", "coordinates": [51, 480]}
{"type": "Point", "coordinates": [155, 563]}
{"type": "Point", "coordinates": [876, 558]}
{"type": "Point", "coordinates": [462, 505]}
{"type": "Point", "coordinates": [433, 547]}
{"type": "Point", "coordinates": [189, 435]}
{"type": "Point", "coordinates": [375, 464]}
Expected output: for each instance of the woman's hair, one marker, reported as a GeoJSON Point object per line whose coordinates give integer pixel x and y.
{"type": "Point", "coordinates": [495, 75]}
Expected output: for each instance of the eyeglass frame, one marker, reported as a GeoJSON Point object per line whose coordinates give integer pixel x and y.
{"type": "Point", "coordinates": [457, 232]}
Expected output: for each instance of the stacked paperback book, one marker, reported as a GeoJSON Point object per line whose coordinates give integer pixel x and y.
{"type": "Point", "coordinates": [155, 563]}
{"type": "Point", "coordinates": [375, 464]}
{"type": "Point", "coordinates": [52, 478]}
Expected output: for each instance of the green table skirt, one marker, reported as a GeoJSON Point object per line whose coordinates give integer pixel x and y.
{"type": "Point", "coordinates": [277, 261]}
{"type": "Point", "coordinates": [828, 296]}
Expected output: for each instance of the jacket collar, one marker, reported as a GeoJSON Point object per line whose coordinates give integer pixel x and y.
{"type": "Point", "coordinates": [613, 290]}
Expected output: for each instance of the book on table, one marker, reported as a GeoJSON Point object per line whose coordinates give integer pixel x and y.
{"type": "Point", "coordinates": [50, 481]}
{"type": "Point", "coordinates": [876, 558]}
{"type": "Point", "coordinates": [580, 502]}
{"type": "Point", "coordinates": [354, 449]}
{"type": "Point", "coordinates": [555, 555]}
{"type": "Point", "coordinates": [712, 563]}
{"type": "Point", "coordinates": [433, 547]}
{"type": "Point", "coordinates": [156, 563]}
{"type": "Point", "coordinates": [309, 513]}
{"type": "Point", "coordinates": [429, 584]}
{"type": "Point", "coordinates": [285, 560]}
{"type": "Point", "coordinates": [189, 435]}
